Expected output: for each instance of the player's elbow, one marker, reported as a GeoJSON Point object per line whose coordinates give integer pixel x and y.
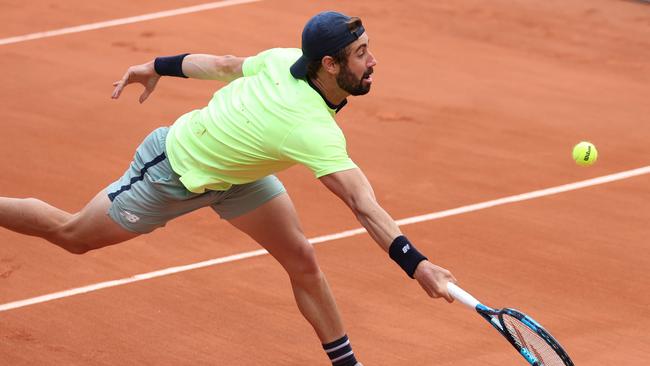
{"type": "Point", "coordinates": [361, 203]}
{"type": "Point", "coordinates": [224, 63]}
{"type": "Point", "coordinates": [228, 67]}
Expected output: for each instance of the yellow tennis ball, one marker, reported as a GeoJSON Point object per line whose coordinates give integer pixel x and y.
{"type": "Point", "coordinates": [585, 153]}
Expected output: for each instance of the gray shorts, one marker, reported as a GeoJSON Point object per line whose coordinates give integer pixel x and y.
{"type": "Point", "coordinates": [149, 194]}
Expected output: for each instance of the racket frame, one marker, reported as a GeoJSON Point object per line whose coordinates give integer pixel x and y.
{"type": "Point", "coordinates": [495, 318]}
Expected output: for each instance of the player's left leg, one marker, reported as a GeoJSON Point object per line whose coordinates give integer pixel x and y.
{"type": "Point", "coordinates": [276, 227]}
{"type": "Point", "coordinates": [88, 229]}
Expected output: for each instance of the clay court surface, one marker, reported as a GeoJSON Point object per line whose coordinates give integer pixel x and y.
{"type": "Point", "coordinates": [472, 101]}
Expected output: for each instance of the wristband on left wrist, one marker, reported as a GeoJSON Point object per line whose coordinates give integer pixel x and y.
{"type": "Point", "coordinates": [170, 65]}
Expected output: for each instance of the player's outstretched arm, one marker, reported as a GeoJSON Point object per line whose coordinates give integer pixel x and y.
{"type": "Point", "coordinates": [209, 67]}
{"type": "Point", "coordinates": [196, 66]}
{"type": "Point", "coordinates": [353, 188]}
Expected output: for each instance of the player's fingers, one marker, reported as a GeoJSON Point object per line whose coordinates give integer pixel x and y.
{"type": "Point", "coordinates": [119, 85]}
{"type": "Point", "coordinates": [431, 289]}
{"type": "Point", "coordinates": [149, 87]}
{"type": "Point", "coordinates": [116, 92]}
{"type": "Point", "coordinates": [144, 95]}
{"type": "Point", "coordinates": [125, 79]}
{"type": "Point", "coordinates": [448, 297]}
{"type": "Point", "coordinates": [445, 295]}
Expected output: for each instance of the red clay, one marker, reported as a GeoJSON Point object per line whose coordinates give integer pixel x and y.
{"type": "Point", "coordinates": [472, 101]}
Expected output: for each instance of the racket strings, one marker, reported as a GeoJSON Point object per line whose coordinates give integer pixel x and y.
{"type": "Point", "coordinates": [533, 342]}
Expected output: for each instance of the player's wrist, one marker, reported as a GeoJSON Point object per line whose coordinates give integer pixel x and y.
{"type": "Point", "coordinates": [170, 65]}
{"type": "Point", "coordinates": [420, 267]}
{"type": "Point", "coordinates": [404, 253]}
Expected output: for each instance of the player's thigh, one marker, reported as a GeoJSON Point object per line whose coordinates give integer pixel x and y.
{"type": "Point", "coordinates": [149, 194]}
{"type": "Point", "coordinates": [275, 226]}
{"type": "Point", "coordinates": [93, 227]}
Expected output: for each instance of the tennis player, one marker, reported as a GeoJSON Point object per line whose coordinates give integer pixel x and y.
{"type": "Point", "coordinates": [277, 111]}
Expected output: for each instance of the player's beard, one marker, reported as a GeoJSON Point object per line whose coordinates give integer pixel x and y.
{"type": "Point", "coordinates": [347, 81]}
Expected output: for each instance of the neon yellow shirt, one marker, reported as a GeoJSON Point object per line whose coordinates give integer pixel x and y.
{"type": "Point", "coordinates": [259, 124]}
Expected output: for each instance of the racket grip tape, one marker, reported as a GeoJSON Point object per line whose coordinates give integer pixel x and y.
{"type": "Point", "coordinates": [462, 296]}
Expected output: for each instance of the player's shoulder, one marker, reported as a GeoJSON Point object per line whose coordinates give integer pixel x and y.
{"type": "Point", "coordinates": [270, 59]}
{"type": "Point", "coordinates": [280, 54]}
{"type": "Point", "coordinates": [283, 56]}
{"type": "Point", "coordinates": [285, 52]}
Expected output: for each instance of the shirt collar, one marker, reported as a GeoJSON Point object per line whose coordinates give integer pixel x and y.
{"type": "Point", "coordinates": [335, 107]}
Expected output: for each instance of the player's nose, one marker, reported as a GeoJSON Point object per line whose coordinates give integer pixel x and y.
{"type": "Point", "coordinates": [372, 61]}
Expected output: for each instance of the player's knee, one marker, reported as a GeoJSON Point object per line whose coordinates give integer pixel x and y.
{"type": "Point", "coordinates": [72, 244]}
{"type": "Point", "coordinates": [304, 266]}
{"type": "Point", "coordinates": [68, 238]}
{"type": "Point", "coordinates": [77, 248]}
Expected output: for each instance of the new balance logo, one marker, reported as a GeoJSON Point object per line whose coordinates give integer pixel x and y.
{"type": "Point", "coordinates": [130, 217]}
{"type": "Point", "coordinates": [406, 248]}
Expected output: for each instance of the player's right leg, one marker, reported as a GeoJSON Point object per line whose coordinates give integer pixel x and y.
{"type": "Point", "coordinates": [91, 228]}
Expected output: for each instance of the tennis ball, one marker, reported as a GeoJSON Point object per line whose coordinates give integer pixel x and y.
{"type": "Point", "coordinates": [585, 153]}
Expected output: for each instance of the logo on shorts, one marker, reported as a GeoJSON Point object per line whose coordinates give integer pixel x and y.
{"type": "Point", "coordinates": [406, 248]}
{"type": "Point", "coordinates": [130, 217]}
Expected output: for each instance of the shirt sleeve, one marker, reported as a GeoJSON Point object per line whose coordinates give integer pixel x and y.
{"type": "Point", "coordinates": [322, 149]}
{"type": "Point", "coordinates": [254, 64]}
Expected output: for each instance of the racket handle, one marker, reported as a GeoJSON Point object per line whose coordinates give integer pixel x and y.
{"type": "Point", "coordinates": [462, 296]}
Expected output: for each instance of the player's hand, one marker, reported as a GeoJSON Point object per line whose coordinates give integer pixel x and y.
{"type": "Point", "coordinates": [144, 74]}
{"type": "Point", "coordinates": [433, 280]}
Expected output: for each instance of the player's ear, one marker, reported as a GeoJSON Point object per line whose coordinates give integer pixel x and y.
{"type": "Point", "coordinates": [330, 65]}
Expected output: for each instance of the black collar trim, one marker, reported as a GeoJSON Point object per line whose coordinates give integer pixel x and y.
{"type": "Point", "coordinates": [335, 107]}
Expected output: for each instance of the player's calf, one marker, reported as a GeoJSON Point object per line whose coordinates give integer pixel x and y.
{"type": "Point", "coordinates": [79, 233]}
{"type": "Point", "coordinates": [30, 216]}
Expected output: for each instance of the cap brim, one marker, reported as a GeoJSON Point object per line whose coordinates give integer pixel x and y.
{"type": "Point", "coordinates": [299, 68]}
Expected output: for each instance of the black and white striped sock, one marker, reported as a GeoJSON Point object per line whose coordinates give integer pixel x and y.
{"type": "Point", "coordinates": [340, 352]}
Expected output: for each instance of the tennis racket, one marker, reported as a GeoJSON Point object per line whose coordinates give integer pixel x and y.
{"type": "Point", "coordinates": [532, 341]}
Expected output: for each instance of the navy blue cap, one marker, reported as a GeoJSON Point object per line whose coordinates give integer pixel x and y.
{"type": "Point", "coordinates": [324, 34]}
